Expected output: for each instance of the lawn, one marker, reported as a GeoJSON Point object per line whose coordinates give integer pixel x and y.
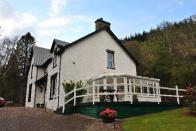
{"type": "Point", "coordinates": [173, 120]}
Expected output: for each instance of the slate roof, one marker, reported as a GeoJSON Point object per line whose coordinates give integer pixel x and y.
{"type": "Point", "coordinates": [41, 55]}
{"type": "Point", "coordinates": [58, 43]}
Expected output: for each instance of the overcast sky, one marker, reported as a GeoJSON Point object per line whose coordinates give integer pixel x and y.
{"type": "Point", "coordinates": [69, 20]}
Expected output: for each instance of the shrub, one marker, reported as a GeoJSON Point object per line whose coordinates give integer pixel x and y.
{"type": "Point", "coordinates": [190, 98]}
{"type": "Point", "coordinates": [69, 86]}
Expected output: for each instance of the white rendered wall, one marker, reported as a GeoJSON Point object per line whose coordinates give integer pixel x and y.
{"type": "Point", "coordinates": [88, 59]}
{"type": "Point", "coordinates": [52, 104]}
{"type": "Point", "coordinates": [40, 73]}
{"type": "Point", "coordinates": [29, 82]}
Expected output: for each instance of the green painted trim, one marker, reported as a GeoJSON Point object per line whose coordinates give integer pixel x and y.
{"type": "Point", "coordinates": [124, 109]}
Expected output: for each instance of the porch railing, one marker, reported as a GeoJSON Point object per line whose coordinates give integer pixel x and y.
{"type": "Point", "coordinates": [122, 85]}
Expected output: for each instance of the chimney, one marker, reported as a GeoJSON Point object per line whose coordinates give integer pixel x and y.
{"type": "Point", "coordinates": [100, 23]}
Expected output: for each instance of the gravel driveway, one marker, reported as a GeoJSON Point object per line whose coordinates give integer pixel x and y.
{"type": "Point", "coordinates": [31, 119]}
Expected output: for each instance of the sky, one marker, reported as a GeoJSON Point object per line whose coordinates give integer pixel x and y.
{"type": "Point", "coordinates": [69, 20]}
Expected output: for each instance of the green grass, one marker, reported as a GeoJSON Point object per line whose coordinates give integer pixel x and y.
{"type": "Point", "coordinates": [173, 120]}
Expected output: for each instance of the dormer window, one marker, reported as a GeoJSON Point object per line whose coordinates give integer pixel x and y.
{"type": "Point", "coordinates": [55, 58]}
{"type": "Point", "coordinates": [110, 59]}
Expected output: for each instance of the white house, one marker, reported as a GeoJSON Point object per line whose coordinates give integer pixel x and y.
{"type": "Point", "coordinates": [92, 57]}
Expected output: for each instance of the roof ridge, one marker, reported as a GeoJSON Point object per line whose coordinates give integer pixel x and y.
{"type": "Point", "coordinates": [40, 47]}
{"type": "Point", "coordinates": [61, 40]}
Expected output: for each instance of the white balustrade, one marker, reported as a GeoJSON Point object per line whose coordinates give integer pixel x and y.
{"type": "Point", "coordinates": [128, 81]}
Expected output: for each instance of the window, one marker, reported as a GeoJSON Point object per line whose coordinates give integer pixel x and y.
{"type": "Point", "coordinates": [29, 95]}
{"type": "Point", "coordinates": [110, 59]}
{"type": "Point", "coordinates": [53, 86]}
{"type": "Point", "coordinates": [32, 71]}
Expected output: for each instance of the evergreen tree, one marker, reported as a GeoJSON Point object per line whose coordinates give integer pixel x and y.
{"type": "Point", "coordinates": [14, 61]}
{"type": "Point", "coordinates": [23, 52]}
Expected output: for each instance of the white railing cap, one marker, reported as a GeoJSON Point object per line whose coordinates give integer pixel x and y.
{"type": "Point", "coordinates": [109, 75]}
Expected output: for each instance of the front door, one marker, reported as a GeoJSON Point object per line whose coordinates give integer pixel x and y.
{"type": "Point", "coordinates": [40, 96]}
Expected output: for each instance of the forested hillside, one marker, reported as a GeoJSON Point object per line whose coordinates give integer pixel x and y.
{"type": "Point", "coordinates": [169, 53]}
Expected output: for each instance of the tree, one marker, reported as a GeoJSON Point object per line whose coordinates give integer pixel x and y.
{"type": "Point", "coordinates": [23, 52]}
{"type": "Point", "coordinates": [12, 80]}
{"type": "Point", "coordinates": [7, 47]}
{"type": "Point", "coordinates": [14, 59]}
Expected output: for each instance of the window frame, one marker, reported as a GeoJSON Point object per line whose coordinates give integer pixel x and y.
{"type": "Point", "coordinates": [53, 85]}
{"type": "Point", "coordinates": [110, 52]}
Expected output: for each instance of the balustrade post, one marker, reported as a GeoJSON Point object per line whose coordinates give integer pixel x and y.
{"type": "Point", "coordinates": [147, 86]}
{"type": "Point", "coordinates": [93, 92]}
{"type": "Point", "coordinates": [177, 95]}
{"type": "Point", "coordinates": [157, 91]}
{"type": "Point", "coordinates": [130, 91]}
{"type": "Point", "coordinates": [104, 84]}
{"type": "Point", "coordinates": [134, 85]}
{"type": "Point", "coordinates": [141, 87]}
{"type": "Point", "coordinates": [153, 87]}
{"type": "Point", "coordinates": [98, 96]}
{"type": "Point", "coordinates": [125, 89]}
{"type": "Point", "coordinates": [115, 88]}
{"type": "Point", "coordinates": [104, 87]}
{"type": "Point", "coordinates": [74, 95]}
{"type": "Point", "coordinates": [63, 109]}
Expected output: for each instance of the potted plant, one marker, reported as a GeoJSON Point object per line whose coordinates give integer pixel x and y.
{"type": "Point", "coordinates": [38, 105]}
{"type": "Point", "coordinates": [108, 115]}
{"type": "Point", "coordinates": [135, 99]}
{"type": "Point", "coordinates": [42, 105]}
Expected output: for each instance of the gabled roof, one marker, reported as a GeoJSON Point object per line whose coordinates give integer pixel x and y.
{"type": "Point", "coordinates": [111, 34]}
{"type": "Point", "coordinates": [41, 55]}
{"type": "Point", "coordinates": [59, 43]}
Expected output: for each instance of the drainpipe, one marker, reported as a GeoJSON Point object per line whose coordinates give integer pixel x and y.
{"type": "Point", "coordinates": [35, 86]}
{"type": "Point", "coordinates": [59, 81]}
